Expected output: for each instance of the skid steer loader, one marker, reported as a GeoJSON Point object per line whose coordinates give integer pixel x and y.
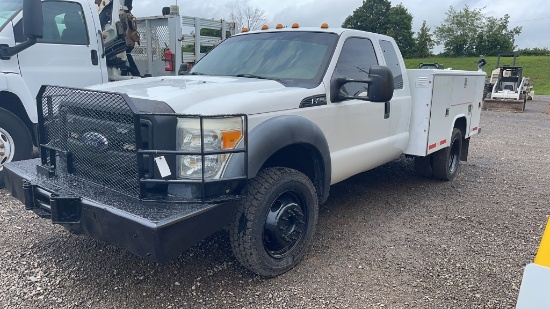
{"type": "Point", "coordinates": [509, 89]}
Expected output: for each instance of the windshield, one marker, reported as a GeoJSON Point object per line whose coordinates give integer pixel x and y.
{"type": "Point", "coordinates": [292, 58]}
{"type": "Point", "coordinates": [8, 9]}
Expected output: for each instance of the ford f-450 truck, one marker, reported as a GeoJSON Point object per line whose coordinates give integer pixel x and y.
{"type": "Point", "coordinates": [249, 140]}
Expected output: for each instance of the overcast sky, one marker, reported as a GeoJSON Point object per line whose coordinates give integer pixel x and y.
{"type": "Point", "coordinates": [532, 15]}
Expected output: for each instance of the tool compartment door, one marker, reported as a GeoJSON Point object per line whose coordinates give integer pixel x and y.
{"type": "Point", "coordinates": [475, 117]}
{"type": "Point", "coordinates": [454, 98]}
{"type": "Point", "coordinates": [441, 112]}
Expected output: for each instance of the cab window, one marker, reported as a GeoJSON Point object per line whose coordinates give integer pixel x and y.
{"type": "Point", "coordinates": [392, 61]}
{"type": "Point", "coordinates": [355, 60]}
{"type": "Point", "coordinates": [64, 23]}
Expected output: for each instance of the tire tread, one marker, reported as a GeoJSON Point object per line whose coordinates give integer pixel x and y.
{"type": "Point", "coordinates": [241, 238]}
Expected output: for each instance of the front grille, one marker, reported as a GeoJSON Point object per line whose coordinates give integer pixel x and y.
{"type": "Point", "coordinates": [93, 134]}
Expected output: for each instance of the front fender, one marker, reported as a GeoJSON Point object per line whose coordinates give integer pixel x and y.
{"type": "Point", "coordinates": [15, 84]}
{"type": "Point", "coordinates": [277, 133]}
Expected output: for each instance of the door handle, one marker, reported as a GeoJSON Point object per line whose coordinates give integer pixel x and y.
{"type": "Point", "coordinates": [95, 59]}
{"type": "Point", "coordinates": [386, 110]}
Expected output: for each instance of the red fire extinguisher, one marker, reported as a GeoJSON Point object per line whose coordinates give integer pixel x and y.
{"type": "Point", "coordinates": [168, 59]}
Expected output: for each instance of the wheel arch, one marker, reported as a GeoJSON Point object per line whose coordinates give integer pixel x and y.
{"type": "Point", "coordinates": [289, 141]}
{"type": "Point", "coordinates": [461, 123]}
{"type": "Point", "coordinates": [12, 103]}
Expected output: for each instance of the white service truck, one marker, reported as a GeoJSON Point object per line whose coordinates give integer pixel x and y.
{"type": "Point", "coordinates": [250, 140]}
{"type": "Point", "coordinates": [67, 43]}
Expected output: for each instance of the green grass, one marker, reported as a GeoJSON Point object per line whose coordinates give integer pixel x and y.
{"type": "Point", "coordinates": [535, 67]}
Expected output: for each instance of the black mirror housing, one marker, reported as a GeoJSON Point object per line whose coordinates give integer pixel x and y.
{"type": "Point", "coordinates": [380, 86]}
{"type": "Point", "coordinates": [33, 20]}
{"type": "Point", "coordinates": [33, 29]}
{"type": "Point", "coordinates": [183, 69]}
{"type": "Point", "coordinates": [481, 63]}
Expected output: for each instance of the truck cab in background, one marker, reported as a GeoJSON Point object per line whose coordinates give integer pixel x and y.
{"type": "Point", "coordinates": [58, 42]}
{"type": "Point", "coordinates": [67, 51]}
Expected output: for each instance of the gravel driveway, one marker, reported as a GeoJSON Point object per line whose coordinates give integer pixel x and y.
{"type": "Point", "coordinates": [386, 238]}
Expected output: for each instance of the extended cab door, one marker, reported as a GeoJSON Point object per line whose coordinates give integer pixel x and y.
{"type": "Point", "coordinates": [359, 129]}
{"type": "Point", "coordinates": [70, 53]}
{"type": "Point", "coordinates": [399, 108]}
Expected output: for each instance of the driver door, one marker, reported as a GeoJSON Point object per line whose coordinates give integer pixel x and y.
{"type": "Point", "coordinates": [359, 129]}
{"type": "Point", "coordinates": [69, 54]}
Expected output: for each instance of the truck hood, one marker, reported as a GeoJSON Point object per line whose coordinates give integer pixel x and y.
{"type": "Point", "coordinates": [211, 95]}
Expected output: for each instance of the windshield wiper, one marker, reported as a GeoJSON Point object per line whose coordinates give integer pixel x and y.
{"type": "Point", "coordinates": [196, 73]}
{"type": "Point", "coordinates": [246, 75]}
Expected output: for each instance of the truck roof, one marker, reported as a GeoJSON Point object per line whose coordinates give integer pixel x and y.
{"type": "Point", "coordinates": [337, 31]}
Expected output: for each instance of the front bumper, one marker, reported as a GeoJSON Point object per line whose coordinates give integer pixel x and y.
{"type": "Point", "coordinates": [155, 230]}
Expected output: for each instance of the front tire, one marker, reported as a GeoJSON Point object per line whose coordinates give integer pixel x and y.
{"type": "Point", "coordinates": [275, 221]}
{"type": "Point", "coordinates": [446, 162]}
{"type": "Point", "coordinates": [15, 141]}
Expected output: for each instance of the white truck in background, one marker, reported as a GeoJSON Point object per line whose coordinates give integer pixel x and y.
{"type": "Point", "coordinates": [251, 139]}
{"type": "Point", "coordinates": [67, 43]}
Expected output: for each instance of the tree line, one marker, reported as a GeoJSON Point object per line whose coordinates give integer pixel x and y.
{"type": "Point", "coordinates": [464, 33]}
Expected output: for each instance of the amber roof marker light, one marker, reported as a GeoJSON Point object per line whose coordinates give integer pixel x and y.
{"type": "Point", "coordinates": [324, 26]}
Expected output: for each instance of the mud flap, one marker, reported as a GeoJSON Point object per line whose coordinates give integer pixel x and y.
{"type": "Point", "coordinates": [464, 150]}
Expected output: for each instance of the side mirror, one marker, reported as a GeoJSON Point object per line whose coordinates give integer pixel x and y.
{"type": "Point", "coordinates": [33, 20]}
{"type": "Point", "coordinates": [481, 63]}
{"type": "Point", "coordinates": [380, 86]}
{"type": "Point", "coordinates": [33, 23]}
{"type": "Point", "coordinates": [183, 69]}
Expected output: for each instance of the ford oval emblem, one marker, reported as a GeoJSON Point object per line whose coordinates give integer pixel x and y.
{"type": "Point", "coordinates": [95, 141]}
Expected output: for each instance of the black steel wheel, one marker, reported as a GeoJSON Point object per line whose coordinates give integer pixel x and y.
{"type": "Point", "coordinates": [275, 221]}
{"type": "Point", "coordinates": [446, 162]}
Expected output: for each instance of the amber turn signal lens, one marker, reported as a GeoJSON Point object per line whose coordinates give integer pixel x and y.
{"type": "Point", "coordinates": [230, 138]}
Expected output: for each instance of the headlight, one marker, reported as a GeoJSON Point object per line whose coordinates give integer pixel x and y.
{"type": "Point", "coordinates": [218, 134]}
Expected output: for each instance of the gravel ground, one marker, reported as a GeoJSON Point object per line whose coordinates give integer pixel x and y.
{"type": "Point", "coordinates": [386, 238]}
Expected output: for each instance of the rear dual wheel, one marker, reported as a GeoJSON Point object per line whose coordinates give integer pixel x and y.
{"type": "Point", "coordinates": [446, 162]}
{"type": "Point", "coordinates": [443, 164]}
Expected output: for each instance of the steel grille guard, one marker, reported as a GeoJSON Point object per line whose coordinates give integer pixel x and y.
{"type": "Point", "coordinates": [104, 138]}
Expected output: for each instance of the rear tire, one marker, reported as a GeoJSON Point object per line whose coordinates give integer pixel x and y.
{"type": "Point", "coordinates": [446, 162]}
{"type": "Point", "coordinates": [275, 221]}
{"type": "Point", "coordinates": [15, 141]}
